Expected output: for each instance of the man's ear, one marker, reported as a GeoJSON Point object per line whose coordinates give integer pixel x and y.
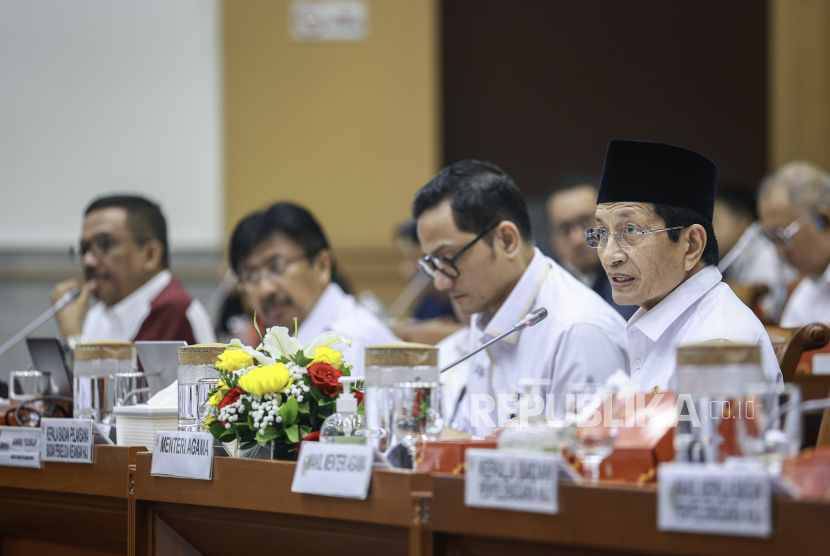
{"type": "Point", "coordinates": [507, 237]}
{"type": "Point", "coordinates": [323, 264]}
{"type": "Point", "coordinates": [153, 253]}
{"type": "Point", "coordinates": [695, 237]}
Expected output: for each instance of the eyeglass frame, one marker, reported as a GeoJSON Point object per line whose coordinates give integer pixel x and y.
{"type": "Point", "coordinates": [265, 269]}
{"type": "Point", "coordinates": [78, 252]}
{"type": "Point", "coordinates": [616, 233]}
{"type": "Point", "coordinates": [426, 263]}
{"type": "Point", "coordinates": [784, 236]}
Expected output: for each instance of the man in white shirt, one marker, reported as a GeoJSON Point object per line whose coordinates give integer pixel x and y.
{"type": "Point", "coordinates": [124, 254]}
{"type": "Point", "coordinates": [655, 240]}
{"type": "Point", "coordinates": [794, 206]}
{"type": "Point", "coordinates": [474, 225]}
{"type": "Point", "coordinates": [287, 270]}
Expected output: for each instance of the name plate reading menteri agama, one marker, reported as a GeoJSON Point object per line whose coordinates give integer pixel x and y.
{"type": "Point", "coordinates": [185, 455]}
{"type": "Point", "coordinates": [714, 499]}
{"type": "Point", "coordinates": [66, 440]}
{"type": "Point", "coordinates": [508, 480]}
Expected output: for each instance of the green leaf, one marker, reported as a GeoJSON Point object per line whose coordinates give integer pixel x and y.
{"type": "Point", "coordinates": [229, 436]}
{"type": "Point", "coordinates": [305, 430]}
{"type": "Point", "coordinates": [217, 429]}
{"type": "Point", "coordinates": [289, 411]}
{"type": "Point", "coordinates": [256, 327]}
{"type": "Point", "coordinates": [304, 407]}
{"type": "Point", "coordinates": [325, 401]}
{"type": "Point", "coordinates": [248, 445]}
{"type": "Point", "coordinates": [270, 434]}
{"type": "Point", "coordinates": [293, 434]}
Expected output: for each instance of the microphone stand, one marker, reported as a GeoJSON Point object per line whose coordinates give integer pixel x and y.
{"type": "Point", "coordinates": [67, 298]}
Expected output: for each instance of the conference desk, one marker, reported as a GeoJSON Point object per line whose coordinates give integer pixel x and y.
{"type": "Point", "coordinates": [116, 507]}
{"type": "Point", "coordinates": [67, 508]}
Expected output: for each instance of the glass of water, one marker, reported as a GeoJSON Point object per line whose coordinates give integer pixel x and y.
{"type": "Point", "coordinates": [417, 415]}
{"type": "Point", "coordinates": [592, 413]}
{"type": "Point", "coordinates": [25, 389]}
{"type": "Point", "coordinates": [768, 423]}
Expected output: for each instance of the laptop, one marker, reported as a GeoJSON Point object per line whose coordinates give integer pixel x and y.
{"type": "Point", "coordinates": [160, 361]}
{"type": "Point", "coordinates": [47, 355]}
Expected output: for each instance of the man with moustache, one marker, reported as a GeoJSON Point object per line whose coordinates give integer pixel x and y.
{"type": "Point", "coordinates": [287, 270]}
{"type": "Point", "coordinates": [125, 259]}
{"type": "Point", "coordinates": [474, 226]}
{"type": "Point", "coordinates": [657, 246]}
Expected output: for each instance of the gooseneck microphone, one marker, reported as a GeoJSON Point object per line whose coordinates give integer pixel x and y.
{"type": "Point", "coordinates": [532, 318]}
{"type": "Point", "coordinates": [65, 300]}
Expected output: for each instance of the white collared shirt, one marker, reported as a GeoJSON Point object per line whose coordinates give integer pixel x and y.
{"type": "Point", "coordinates": [581, 337]}
{"type": "Point", "coordinates": [809, 302]}
{"type": "Point", "coordinates": [123, 320]}
{"type": "Point", "coordinates": [336, 311]}
{"type": "Point", "coordinates": [699, 310]}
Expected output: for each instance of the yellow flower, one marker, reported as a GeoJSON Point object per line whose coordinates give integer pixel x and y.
{"type": "Point", "coordinates": [209, 421]}
{"type": "Point", "coordinates": [326, 355]}
{"type": "Point", "coordinates": [234, 360]}
{"type": "Point", "coordinates": [217, 397]}
{"type": "Point", "coordinates": [266, 380]}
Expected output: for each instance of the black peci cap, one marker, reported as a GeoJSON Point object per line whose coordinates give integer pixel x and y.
{"type": "Point", "coordinates": [643, 172]}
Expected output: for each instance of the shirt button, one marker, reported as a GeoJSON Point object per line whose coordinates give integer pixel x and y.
{"type": "Point", "coordinates": [637, 363]}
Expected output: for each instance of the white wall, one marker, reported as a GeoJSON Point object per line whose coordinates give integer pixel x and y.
{"type": "Point", "coordinates": [102, 96]}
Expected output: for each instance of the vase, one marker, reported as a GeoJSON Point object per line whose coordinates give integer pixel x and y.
{"type": "Point", "coordinates": [272, 450]}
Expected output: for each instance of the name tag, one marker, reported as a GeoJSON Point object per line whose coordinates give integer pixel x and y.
{"type": "Point", "coordinates": [508, 480]}
{"type": "Point", "coordinates": [67, 440]}
{"type": "Point", "coordinates": [186, 455]}
{"type": "Point", "coordinates": [341, 470]}
{"type": "Point", "coordinates": [714, 499]}
{"type": "Point", "coordinates": [20, 447]}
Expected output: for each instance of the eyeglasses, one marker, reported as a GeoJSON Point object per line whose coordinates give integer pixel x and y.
{"type": "Point", "coordinates": [431, 266]}
{"type": "Point", "coordinates": [784, 236]}
{"type": "Point", "coordinates": [627, 236]}
{"type": "Point", "coordinates": [273, 269]}
{"type": "Point", "coordinates": [99, 246]}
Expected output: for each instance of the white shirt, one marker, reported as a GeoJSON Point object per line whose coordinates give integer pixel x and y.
{"type": "Point", "coordinates": [809, 302]}
{"type": "Point", "coordinates": [754, 260]}
{"type": "Point", "coordinates": [581, 337]}
{"type": "Point", "coordinates": [699, 310]}
{"type": "Point", "coordinates": [123, 320]}
{"type": "Point", "coordinates": [336, 311]}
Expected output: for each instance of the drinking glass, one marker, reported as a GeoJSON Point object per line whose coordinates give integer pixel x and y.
{"type": "Point", "coordinates": [26, 388]}
{"type": "Point", "coordinates": [195, 381]}
{"type": "Point", "coordinates": [417, 416]}
{"type": "Point", "coordinates": [768, 423]}
{"type": "Point", "coordinates": [131, 389]}
{"type": "Point", "coordinates": [593, 416]}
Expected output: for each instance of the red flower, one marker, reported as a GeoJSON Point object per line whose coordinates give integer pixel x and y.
{"type": "Point", "coordinates": [232, 395]}
{"type": "Point", "coordinates": [358, 395]}
{"type": "Point", "coordinates": [324, 377]}
{"type": "Point", "coordinates": [310, 437]}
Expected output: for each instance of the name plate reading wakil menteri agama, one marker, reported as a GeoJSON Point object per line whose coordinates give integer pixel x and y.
{"type": "Point", "coordinates": [66, 440]}
{"type": "Point", "coordinates": [185, 455]}
{"type": "Point", "coordinates": [512, 480]}
{"type": "Point", "coordinates": [341, 470]}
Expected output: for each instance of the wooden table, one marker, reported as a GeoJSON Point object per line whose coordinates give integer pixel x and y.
{"type": "Point", "coordinates": [249, 507]}
{"type": "Point", "coordinates": [608, 520]}
{"type": "Point", "coordinates": [67, 508]}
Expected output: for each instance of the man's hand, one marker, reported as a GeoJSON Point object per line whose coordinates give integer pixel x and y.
{"type": "Point", "coordinates": [71, 318]}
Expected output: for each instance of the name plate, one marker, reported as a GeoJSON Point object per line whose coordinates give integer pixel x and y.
{"type": "Point", "coordinates": [66, 440]}
{"type": "Point", "coordinates": [20, 447]}
{"type": "Point", "coordinates": [508, 480]}
{"type": "Point", "coordinates": [185, 455]}
{"type": "Point", "coordinates": [341, 470]}
{"type": "Point", "coordinates": [714, 500]}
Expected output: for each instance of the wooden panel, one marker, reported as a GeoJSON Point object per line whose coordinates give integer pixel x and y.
{"type": "Point", "coordinates": [799, 81]}
{"type": "Point", "coordinates": [539, 87]}
{"type": "Point", "coordinates": [605, 519]}
{"type": "Point", "coordinates": [238, 484]}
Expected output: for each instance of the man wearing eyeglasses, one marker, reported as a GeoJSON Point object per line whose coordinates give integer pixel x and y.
{"type": "Point", "coordinates": [286, 270]}
{"type": "Point", "coordinates": [657, 245]}
{"type": "Point", "coordinates": [794, 206]}
{"type": "Point", "coordinates": [125, 261]}
{"type": "Point", "coordinates": [473, 224]}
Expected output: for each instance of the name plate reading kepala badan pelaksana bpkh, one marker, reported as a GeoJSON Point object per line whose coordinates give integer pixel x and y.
{"type": "Point", "coordinates": [66, 440]}
{"type": "Point", "coordinates": [185, 455]}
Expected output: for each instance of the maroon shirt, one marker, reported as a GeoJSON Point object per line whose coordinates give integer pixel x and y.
{"type": "Point", "coordinates": [167, 320]}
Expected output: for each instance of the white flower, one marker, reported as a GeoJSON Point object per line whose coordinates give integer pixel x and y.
{"type": "Point", "coordinates": [326, 339]}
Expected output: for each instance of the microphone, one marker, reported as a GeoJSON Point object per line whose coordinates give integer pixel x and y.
{"type": "Point", "coordinates": [65, 300]}
{"type": "Point", "coordinates": [532, 318]}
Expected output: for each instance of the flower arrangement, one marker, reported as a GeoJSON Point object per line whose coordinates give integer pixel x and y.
{"type": "Point", "coordinates": [278, 393]}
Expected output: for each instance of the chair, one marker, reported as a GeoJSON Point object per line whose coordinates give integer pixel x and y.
{"type": "Point", "coordinates": [824, 429]}
{"type": "Point", "coordinates": [790, 343]}
{"type": "Point", "coordinates": [748, 293]}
